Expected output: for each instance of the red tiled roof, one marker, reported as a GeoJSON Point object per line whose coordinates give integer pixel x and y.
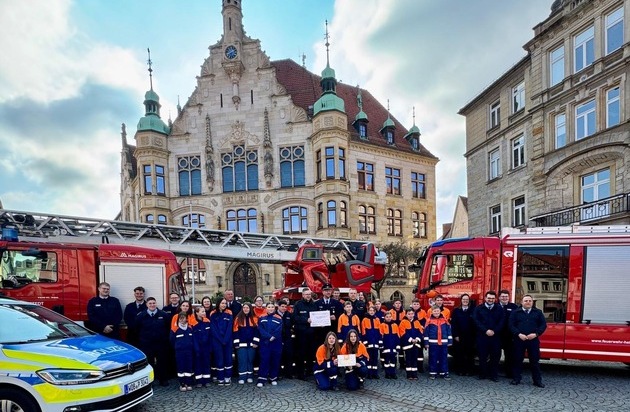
{"type": "Point", "coordinates": [304, 88]}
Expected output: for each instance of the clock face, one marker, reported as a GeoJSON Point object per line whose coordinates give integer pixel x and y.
{"type": "Point", "coordinates": [230, 52]}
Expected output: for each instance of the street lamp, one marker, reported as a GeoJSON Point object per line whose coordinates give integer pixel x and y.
{"type": "Point", "coordinates": [219, 281]}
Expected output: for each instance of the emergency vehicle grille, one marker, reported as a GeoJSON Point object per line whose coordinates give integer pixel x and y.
{"type": "Point", "coordinates": [128, 369]}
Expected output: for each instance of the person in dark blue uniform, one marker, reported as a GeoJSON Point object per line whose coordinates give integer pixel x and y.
{"type": "Point", "coordinates": [287, 338]}
{"type": "Point", "coordinates": [221, 325]}
{"type": "Point", "coordinates": [105, 313]}
{"type": "Point", "coordinates": [203, 347]}
{"type": "Point", "coordinates": [463, 329]}
{"type": "Point", "coordinates": [488, 320]}
{"type": "Point", "coordinates": [526, 325]}
{"type": "Point", "coordinates": [131, 312]}
{"type": "Point", "coordinates": [183, 342]}
{"type": "Point", "coordinates": [304, 334]}
{"type": "Point", "coordinates": [270, 329]}
{"type": "Point", "coordinates": [152, 329]}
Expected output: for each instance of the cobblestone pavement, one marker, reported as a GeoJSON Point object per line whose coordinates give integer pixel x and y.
{"type": "Point", "coordinates": [570, 386]}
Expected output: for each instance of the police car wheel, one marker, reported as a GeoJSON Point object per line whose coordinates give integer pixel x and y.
{"type": "Point", "coordinates": [12, 400]}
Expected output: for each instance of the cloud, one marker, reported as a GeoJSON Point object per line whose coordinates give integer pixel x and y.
{"type": "Point", "coordinates": [432, 55]}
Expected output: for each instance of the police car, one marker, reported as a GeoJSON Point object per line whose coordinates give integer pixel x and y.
{"type": "Point", "coordinates": [50, 364]}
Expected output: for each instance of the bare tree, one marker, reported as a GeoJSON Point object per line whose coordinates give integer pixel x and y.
{"type": "Point", "coordinates": [399, 254]}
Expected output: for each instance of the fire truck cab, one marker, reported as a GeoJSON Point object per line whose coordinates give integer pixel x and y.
{"type": "Point", "coordinates": [578, 277]}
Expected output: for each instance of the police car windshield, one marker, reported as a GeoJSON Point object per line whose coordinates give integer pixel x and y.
{"type": "Point", "coordinates": [24, 323]}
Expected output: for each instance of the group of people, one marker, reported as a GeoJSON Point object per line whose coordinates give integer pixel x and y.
{"type": "Point", "coordinates": [203, 343]}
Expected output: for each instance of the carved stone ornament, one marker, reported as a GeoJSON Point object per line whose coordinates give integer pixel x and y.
{"type": "Point", "coordinates": [210, 167]}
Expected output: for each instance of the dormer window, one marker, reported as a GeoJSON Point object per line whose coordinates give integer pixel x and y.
{"type": "Point", "coordinates": [415, 145]}
{"type": "Point", "coordinates": [389, 136]}
{"type": "Point", "coordinates": [362, 130]}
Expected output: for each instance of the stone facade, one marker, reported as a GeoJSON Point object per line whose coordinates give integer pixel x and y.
{"type": "Point", "coordinates": [247, 153]}
{"type": "Point", "coordinates": [570, 124]}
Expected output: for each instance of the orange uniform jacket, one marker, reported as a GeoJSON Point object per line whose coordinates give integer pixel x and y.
{"type": "Point", "coordinates": [397, 316]}
{"type": "Point", "coordinates": [344, 321]}
{"type": "Point", "coordinates": [260, 312]}
{"type": "Point", "coordinates": [321, 355]}
{"type": "Point", "coordinates": [446, 312]}
{"type": "Point", "coordinates": [361, 351]}
{"type": "Point", "coordinates": [192, 321]}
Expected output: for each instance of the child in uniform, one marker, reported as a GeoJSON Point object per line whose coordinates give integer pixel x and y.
{"type": "Point", "coordinates": [437, 338]}
{"type": "Point", "coordinates": [246, 341]}
{"type": "Point", "coordinates": [372, 339]}
{"type": "Point", "coordinates": [183, 343]}
{"type": "Point", "coordinates": [203, 346]}
{"type": "Point", "coordinates": [410, 332]}
{"type": "Point", "coordinates": [325, 369]}
{"type": "Point", "coordinates": [270, 328]}
{"type": "Point", "coordinates": [390, 348]}
{"type": "Point", "coordinates": [355, 374]}
{"type": "Point", "coordinates": [347, 321]}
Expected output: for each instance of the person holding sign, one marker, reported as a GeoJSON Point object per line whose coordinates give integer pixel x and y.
{"type": "Point", "coordinates": [325, 368]}
{"type": "Point", "coordinates": [347, 322]}
{"type": "Point", "coordinates": [357, 372]}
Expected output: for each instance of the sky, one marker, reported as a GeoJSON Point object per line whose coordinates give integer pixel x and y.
{"type": "Point", "coordinates": [72, 71]}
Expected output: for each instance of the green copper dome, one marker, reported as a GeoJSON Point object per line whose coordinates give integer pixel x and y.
{"type": "Point", "coordinates": [361, 116]}
{"type": "Point", "coordinates": [328, 73]}
{"type": "Point", "coordinates": [151, 95]}
{"type": "Point", "coordinates": [151, 120]}
{"type": "Point", "coordinates": [329, 101]}
{"type": "Point", "coordinates": [388, 123]}
{"type": "Point", "coordinates": [414, 129]}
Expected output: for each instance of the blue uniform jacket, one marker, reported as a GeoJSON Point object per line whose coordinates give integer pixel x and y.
{"type": "Point", "coordinates": [202, 335]}
{"type": "Point", "coordinates": [103, 312]}
{"type": "Point", "coordinates": [183, 340]}
{"type": "Point", "coordinates": [153, 331]}
{"type": "Point", "coordinates": [488, 319]}
{"type": "Point", "coordinates": [245, 336]}
{"type": "Point", "coordinates": [221, 326]}
{"type": "Point", "coordinates": [270, 325]}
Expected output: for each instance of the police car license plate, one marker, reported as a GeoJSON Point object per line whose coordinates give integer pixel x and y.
{"type": "Point", "coordinates": [135, 385]}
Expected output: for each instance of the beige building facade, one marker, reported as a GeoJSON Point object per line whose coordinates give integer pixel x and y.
{"type": "Point", "coordinates": [547, 142]}
{"type": "Point", "coordinates": [269, 147]}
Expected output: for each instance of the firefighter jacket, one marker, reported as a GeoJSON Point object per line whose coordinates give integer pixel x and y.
{"type": "Point", "coordinates": [446, 312]}
{"type": "Point", "coordinates": [182, 340]}
{"type": "Point", "coordinates": [346, 324]}
{"type": "Point", "coordinates": [526, 323]}
{"type": "Point", "coordinates": [301, 314]}
{"type": "Point", "coordinates": [391, 340]}
{"type": "Point", "coordinates": [104, 311]}
{"type": "Point", "coordinates": [192, 321]}
{"type": "Point", "coordinates": [361, 353]}
{"type": "Point", "coordinates": [421, 315]}
{"type": "Point", "coordinates": [259, 312]}
{"type": "Point", "coordinates": [409, 332]}
{"type": "Point", "coordinates": [323, 362]}
{"type": "Point", "coordinates": [245, 333]}
{"type": "Point", "coordinates": [371, 328]}
{"type": "Point", "coordinates": [153, 331]}
{"type": "Point", "coordinates": [202, 334]}
{"type": "Point", "coordinates": [437, 331]}
{"type": "Point", "coordinates": [270, 326]}
{"type": "Point", "coordinates": [287, 325]}
{"type": "Point", "coordinates": [397, 315]}
{"type": "Point", "coordinates": [221, 325]}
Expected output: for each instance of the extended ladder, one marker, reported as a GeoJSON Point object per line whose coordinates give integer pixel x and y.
{"type": "Point", "coordinates": [181, 240]}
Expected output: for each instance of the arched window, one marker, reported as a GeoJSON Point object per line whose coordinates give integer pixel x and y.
{"type": "Point", "coordinates": [294, 220]}
{"type": "Point", "coordinates": [419, 221]}
{"type": "Point", "coordinates": [189, 172]}
{"type": "Point", "coordinates": [149, 219]}
{"type": "Point", "coordinates": [240, 170]}
{"type": "Point", "coordinates": [292, 166]}
{"type": "Point", "coordinates": [161, 219]}
{"type": "Point", "coordinates": [194, 220]}
{"type": "Point", "coordinates": [331, 209]}
{"type": "Point", "coordinates": [397, 296]}
{"type": "Point", "coordinates": [343, 214]}
{"type": "Point", "coordinates": [394, 222]}
{"type": "Point", "coordinates": [242, 220]}
{"type": "Point", "coordinates": [367, 219]}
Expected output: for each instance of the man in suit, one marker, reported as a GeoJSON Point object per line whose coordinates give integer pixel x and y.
{"type": "Point", "coordinates": [232, 304]}
{"type": "Point", "coordinates": [527, 323]}
{"type": "Point", "coordinates": [506, 336]}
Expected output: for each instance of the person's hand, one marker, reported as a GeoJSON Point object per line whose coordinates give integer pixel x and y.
{"type": "Point", "coordinates": [108, 329]}
{"type": "Point", "coordinates": [456, 338]}
{"type": "Point", "coordinates": [489, 332]}
{"type": "Point", "coordinates": [254, 346]}
{"type": "Point", "coordinates": [332, 317]}
{"type": "Point", "coordinates": [358, 365]}
{"type": "Point", "coordinates": [335, 361]}
{"type": "Point", "coordinates": [531, 336]}
{"type": "Point", "coordinates": [522, 336]}
{"type": "Point", "coordinates": [309, 320]}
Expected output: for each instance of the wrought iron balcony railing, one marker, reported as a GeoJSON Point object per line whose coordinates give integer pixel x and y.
{"type": "Point", "coordinates": [586, 213]}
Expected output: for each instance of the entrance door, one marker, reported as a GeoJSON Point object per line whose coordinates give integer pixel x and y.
{"type": "Point", "coordinates": [245, 282]}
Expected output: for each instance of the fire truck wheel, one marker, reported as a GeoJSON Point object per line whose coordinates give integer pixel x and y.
{"type": "Point", "coordinates": [17, 401]}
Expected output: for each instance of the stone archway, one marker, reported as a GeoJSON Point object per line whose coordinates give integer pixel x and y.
{"type": "Point", "coordinates": [244, 281]}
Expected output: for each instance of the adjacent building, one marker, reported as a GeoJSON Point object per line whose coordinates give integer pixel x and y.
{"type": "Point", "coordinates": [547, 144]}
{"type": "Point", "coordinates": [267, 146]}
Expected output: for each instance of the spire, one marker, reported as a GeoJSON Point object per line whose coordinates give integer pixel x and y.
{"type": "Point", "coordinates": [303, 57]}
{"type": "Point", "coordinates": [413, 136]}
{"type": "Point", "coordinates": [389, 122]}
{"type": "Point", "coordinates": [361, 115]}
{"type": "Point", "coordinates": [123, 134]}
{"type": "Point", "coordinates": [327, 46]}
{"type": "Point", "coordinates": [150, 63]}
{"type": "Point", "coordinates": [179, 107]}
{"type": "Point", "coordinates": [329, 99]}
{"type": "Point", "coordinates": [151, 119]}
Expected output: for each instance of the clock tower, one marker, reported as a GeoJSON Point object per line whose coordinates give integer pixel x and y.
{"type": "Point", "coordinates": [232, 45]}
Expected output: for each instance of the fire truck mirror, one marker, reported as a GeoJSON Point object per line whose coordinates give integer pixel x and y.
{"type": "Point", "coordinates": [438, 273]}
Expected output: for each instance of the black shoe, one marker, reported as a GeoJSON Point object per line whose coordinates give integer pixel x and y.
{"type": "Point", "coordinates": [481, 378]}
{"type": "Point", "coordinates": [514, 382]}
{"type": "Point", "coordinates": [163, 383]}
{"type": "Point", "coordinates": [539, 384]}
{"type": "Point", "coordinates": [494, 379]}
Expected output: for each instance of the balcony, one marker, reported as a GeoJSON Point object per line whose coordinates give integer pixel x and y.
{"type": "Point", "coordinates": [610, 208]}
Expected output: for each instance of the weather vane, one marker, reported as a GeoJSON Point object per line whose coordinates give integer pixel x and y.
{"type": "Point", "coordinates": [327, 37]}
{"type": "Point", "coordinates": [149, 63]}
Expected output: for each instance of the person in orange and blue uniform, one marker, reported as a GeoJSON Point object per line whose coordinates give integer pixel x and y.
{"type": "Point", "coordinates": [437, 338]}
{"type": "Point", "coordinates": [355, 374]}
{"type": "Point", "coordinates": [186, 308]}
{"type": "Point", "coordinates": [391, 345]}
{"type": "Point", "coordinates": [380, 310]}
{"type": "Point", "coordinates": [246, 340]}
{"type": "Point", "coordinates": [347, 321]}
{"type": "Point", "coordinates": [183, 342]}
{"type": "Point", "coordinates": [398, 314]}
{"type": "Point", "coordinates": [410, 332]}
{"type": "Point", "coordinates": [372, 339]}
{"type": "Point", "coordinates": [270, 329]}
{"type": "Point", "coordinates": [203, 346]}
{"type": "Point", "coordinates": [325, 369]}
{"type": "Point", "coordinates": [221, 325]}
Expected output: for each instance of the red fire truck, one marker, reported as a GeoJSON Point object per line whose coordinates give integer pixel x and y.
{"type": "Point", "coordinates": [578, 276]}
{"type": "Point", "coordinates": [315, 266]}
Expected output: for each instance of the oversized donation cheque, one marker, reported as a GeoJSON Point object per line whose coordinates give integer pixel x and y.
{"type": "Point", "coordinates": [346, 360]}
{"type": "Point", "coordinates": [320, 318]}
